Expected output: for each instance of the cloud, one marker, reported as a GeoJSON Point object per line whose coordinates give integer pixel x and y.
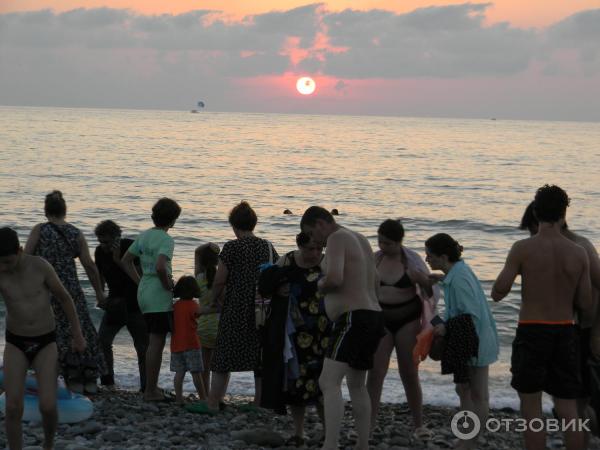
{"type": "Point", "coordinates": [579, 33]}
{"type": "Point", "coordinates": [118, 57]}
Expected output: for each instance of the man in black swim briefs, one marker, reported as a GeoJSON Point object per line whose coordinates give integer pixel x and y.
{"type": "Point", "coordinates": [349, 286]}
{"type": "Point", "coordinates": [26, 283]}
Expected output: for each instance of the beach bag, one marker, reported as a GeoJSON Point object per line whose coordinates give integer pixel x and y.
{"type": "Point", "coordinates": [261, 304]}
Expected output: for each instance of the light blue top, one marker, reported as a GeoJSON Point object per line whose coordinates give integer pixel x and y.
{"type": "Point", "coordinates": [152, 296]}
{"type": "Point", "coordinates": [463, 294]}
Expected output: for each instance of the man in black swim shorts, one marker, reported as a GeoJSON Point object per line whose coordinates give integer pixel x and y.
{"type": "Point", "coordinates": [555, 281]}
{"type": "Point", "coordinates": [349, 286]}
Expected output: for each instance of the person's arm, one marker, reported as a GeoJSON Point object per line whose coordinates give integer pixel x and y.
{"type": "Point", "coordinates": [102, 280]}
{"type": "Point", "coordinates": [594, 262]}
{"type": "Point", "coordinates": [90, 269]}
{"type": "Point", "coordinates": [197, 265]}
{"type": "Point", "coordinates": [163, 273]}
{"type": "Point", "coordinates": [33, 239]}
{"type": "Point", "coordinates": [334, 277]}
{"type": "Point", "coordinates": [128, 266]}
{"type": "Point", "coordinates": [505, 280]}
{"type": "Point", "coordinates": [59, 291]}
{"type": "Point", "coordinates": [219, 282]}
{"type": "Point", "coordinates": [583, 295]}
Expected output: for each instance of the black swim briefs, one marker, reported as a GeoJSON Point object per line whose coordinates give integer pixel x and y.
{"type": "Point", "coordinates": [355, 337]}
{"type": "Point", "coordinates": [546, 357]}
{"type": "Point", "coordinates": [30, 345]}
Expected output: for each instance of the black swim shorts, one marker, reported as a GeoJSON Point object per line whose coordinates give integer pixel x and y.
{"type": "Point", "coordinates": [159, 322]}
{"type": "Point", "coordinates": [585, 352]}
{"type": "Point", "coordinates": [355, 337]}
{"type": "Point", "coordinates": [546, 357]}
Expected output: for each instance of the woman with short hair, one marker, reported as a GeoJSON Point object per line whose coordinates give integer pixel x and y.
{"type": "Point", "coordinates": [237, 347]}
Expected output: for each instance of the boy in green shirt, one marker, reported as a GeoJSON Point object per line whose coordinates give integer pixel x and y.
{"type": "Point", "coordinates": [155, 247]}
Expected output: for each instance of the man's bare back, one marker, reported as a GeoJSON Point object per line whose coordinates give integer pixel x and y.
{"type": "Point", "coordinates": [27, 297]}
{"type": "Point", "coordinates": [553, 271]}
{"type": "Point", "coordinates": [350, 256]}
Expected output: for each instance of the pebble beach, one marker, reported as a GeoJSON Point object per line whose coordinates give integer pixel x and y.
{"type": "Point", "coordinates": [123, 420]}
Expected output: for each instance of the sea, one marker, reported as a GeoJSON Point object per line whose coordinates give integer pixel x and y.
{"type": "Point", "coordinates": [471, 178]}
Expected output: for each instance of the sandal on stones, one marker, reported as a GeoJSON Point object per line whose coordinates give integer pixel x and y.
{"type": "Point", "coordinates": [423, 433]}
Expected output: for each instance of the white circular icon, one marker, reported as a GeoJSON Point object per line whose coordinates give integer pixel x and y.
{"type": "Point", "coordinates": [465, 425]}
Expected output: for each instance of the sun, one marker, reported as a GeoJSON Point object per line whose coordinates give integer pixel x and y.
{"type": "Point", "coordinates": [306, 85]}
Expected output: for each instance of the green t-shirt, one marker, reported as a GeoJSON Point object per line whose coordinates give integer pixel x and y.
{"type": "Point", "coordinates": [152, 296]}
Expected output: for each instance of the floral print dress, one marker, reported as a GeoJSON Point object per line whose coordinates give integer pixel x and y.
{"type": "Point", "coordinates": [307, 310]}
{"type": "Point", "coordinates": [59, 246]}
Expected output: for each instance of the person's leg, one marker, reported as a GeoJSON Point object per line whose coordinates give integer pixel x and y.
{"type": "Point", "coordinates": [475, 398]}
{"type": "Point", "coordinates": [480, 396]}
{"type": "Point", "coordinates": [153, 362]}
{"type": "Point", "coordinates": [199, 384]}
{"type": "Point", "coordinates": [106, 336]}
{"type": "Point", "coordinates": [45, 365]}
{"type": "Point", "coordinates": [178, 385]}
{"type": "Point", "coordinates": [136, 325]}
{"type": "Point", "coordinates": [361, 405]}
{"type": "Point", "coordinates": [531, 408]}
{"type": "Point", "coordinates": [257, 390]}
{"type": "Point", "coordinates": [566, 409]}
{"type": "Point", "coordinates": [464, 395]}
{"type": "Point", "coordinates": [377, 374]}
{"type": "Point", "coordinates": [298, 412]}
{"type": "Point", "coordinates": [15, 371]}
{"type": "Point", "coordinates": [330, 382]}
{"type": "Point", "coordinates": [206, 357]}
{"type": "Point", "coordinates": [405, 340]}
{"type": "Point", "coordinates": [218, 388]}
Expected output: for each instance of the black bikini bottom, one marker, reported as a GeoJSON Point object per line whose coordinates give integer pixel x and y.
{"type": "Point", "coordinates": [30, 345]}
{"type": "Point", "coordinates": [396, 316]}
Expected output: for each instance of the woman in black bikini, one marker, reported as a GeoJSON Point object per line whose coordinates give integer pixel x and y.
{"type": "Point", "coordinates": [400, 270]}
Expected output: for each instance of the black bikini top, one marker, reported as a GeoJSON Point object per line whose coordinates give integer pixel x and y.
{"type": "Point", "coordinates": [403, 283]}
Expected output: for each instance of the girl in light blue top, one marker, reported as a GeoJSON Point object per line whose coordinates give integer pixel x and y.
{"type": "Point", "coordinates": [463, 294]}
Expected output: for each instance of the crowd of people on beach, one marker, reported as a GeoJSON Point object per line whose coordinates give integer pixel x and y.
{"type": "Point", "coordinates": [304, 321]}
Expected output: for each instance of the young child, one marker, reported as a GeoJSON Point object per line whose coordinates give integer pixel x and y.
{"type": "Point", "coordinates": [205, 268]}
{"type": "Point", "coordinates": [26, 283]}
{"type": "Point", "coordinates": [186, 355]}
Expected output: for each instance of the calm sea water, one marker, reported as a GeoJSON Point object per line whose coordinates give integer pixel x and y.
{"type": "Point", "coordinates": [469, 178]}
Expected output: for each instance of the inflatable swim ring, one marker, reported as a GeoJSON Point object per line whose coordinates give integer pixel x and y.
{"type": "Point", "coordinates": [71, 407]}
{"type": "Point", "coordinates": [75, 409]}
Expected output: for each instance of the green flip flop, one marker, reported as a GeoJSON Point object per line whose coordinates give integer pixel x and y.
{"type": "Point", "coordinates": [199, 408]}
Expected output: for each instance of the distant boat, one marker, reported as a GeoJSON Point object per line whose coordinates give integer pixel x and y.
{"type": "Point", "coordinates": [200, 105]}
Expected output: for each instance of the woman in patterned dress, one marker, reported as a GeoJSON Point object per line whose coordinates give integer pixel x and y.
{"type": "Point", "coordinates": [60, 243]}
{"type": "Point", "coordinates": [312, 327]}
{"type": "Point", "coordinates": [237, 347]}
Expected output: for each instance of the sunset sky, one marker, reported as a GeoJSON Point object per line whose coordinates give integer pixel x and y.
{"type": "Point", "coordinates": [505, 59]}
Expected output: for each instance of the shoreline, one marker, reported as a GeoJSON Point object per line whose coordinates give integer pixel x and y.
{"type": "Point", "coordinates": [122, 419]}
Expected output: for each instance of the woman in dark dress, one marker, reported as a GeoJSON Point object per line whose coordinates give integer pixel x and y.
{"type": "Point", "coordinates": [237, 347]}
{"type": "Point", "coordinates": [60, 243]}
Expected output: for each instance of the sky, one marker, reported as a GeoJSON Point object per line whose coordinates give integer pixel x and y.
{"type": "Point", "coordinates": [503, 59]}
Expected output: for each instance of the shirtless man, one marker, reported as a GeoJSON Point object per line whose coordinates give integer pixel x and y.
{"type": "Point", "coordinates": [555, 280]}
{"type": "Point", "coordinates": [588, 321]}
{"type": "Point", "coordinates": [349, 285]}
{"type": "Point", "coordinates": [26, 283]}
